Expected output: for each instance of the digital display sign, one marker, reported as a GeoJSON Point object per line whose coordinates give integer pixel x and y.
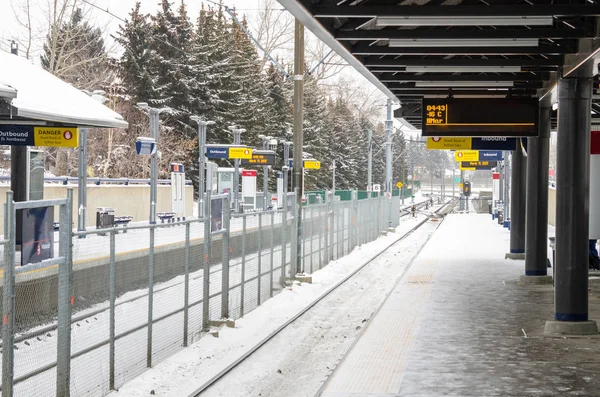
{"type": "Point", "coordinates": [261, 157]}
{"type": "Point", "coordinates": [480, 117]}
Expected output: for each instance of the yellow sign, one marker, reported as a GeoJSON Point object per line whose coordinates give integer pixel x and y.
{"type": "Point", "coordinates": [466, 155]}
{"type": "Point", "coordinates": [467, 168]}
{"type": "Point", "coordinates": [460, 186]}
{"type": "Point", "coordinates": [438, 143]}
{"type": "Point", "coordinates": [399, 184]}
{"type": "Point", "coordinates": [55, 136]}
{"type": "Point", "coordinates": [312, 164]}
{"type": "Point", "coordinates": [240, 153]}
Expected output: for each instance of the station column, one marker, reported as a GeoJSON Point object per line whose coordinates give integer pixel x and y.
{"type": "Point", "coordinates": [517, 202]}
{"type": "Point", "coordinates": [536, 221]}
{"type": "Point", "coordinates": [572, 205]}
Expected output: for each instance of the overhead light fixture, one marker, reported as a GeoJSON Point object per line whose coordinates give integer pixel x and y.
{"type": "Point", "coordinates": [464, 42]}
{"type": "Point", "coordinates": [463, 69]}
{"type": "Point", "coordinates": [485, 84]}
{"type": "Point", "coordinates": [465, 21]}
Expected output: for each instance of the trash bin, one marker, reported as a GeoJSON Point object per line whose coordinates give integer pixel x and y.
{"type": "Point", "coordinates": [105, 217]}
{"type": "Point", "coordinates": [500, 217]}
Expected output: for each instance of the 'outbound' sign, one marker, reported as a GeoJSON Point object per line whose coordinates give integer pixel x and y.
{"type": "Point", "coordinates": [29, 135]}
{"type": "Point", "coordinates": [228, 152]}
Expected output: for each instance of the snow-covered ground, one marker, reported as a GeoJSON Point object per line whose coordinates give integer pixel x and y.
{"type": "Point", "coordinates": [299, 358]}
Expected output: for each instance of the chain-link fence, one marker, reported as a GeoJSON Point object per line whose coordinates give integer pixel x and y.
{"type": "Point", "coordinates": [107, 304]}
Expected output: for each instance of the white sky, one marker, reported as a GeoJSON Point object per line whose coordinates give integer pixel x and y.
{"type": "Point", "coordinates": [9, 27]}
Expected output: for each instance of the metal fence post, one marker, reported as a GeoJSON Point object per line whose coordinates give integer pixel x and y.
{"type": "Point", "coordinates": [8, 298]}
{"type": "Point", "coordinates": [283, 240]}
{"type": "Point", "coordinates": [272, 246]}
{"type": "Point", "coordinates": [354, 219]}
{"type": "Point", "coordinates": [312, 234]}
{"type": "Point", "coordinates": [243, 276]}
{"type": "Point", "coordinates": [65, 299]}
{"type": "Point", "coordinates": [112, 281]}
{"type": "Point", "coordinates": [186, 291]}
{"type": "Point", "coordinates": [331, 225]}
{"type": "Point", "coordinates": [206, 272]}
{"type": "Point", "coordinates": [150, 297]}
{"type": "Point", "coordinates": [225, 258]}
{"type": "Point", "coordinates": [321, 227]}
{"type": "Point", "coordinates": [259, 257]}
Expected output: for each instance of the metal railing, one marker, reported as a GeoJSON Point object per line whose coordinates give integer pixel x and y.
{"type": "Point", "coordinates": [109, 306]}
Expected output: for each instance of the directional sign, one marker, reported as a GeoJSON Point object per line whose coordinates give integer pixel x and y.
{"type": "Point", "coordinates": [399, 185]}
{"type": "Point", "coordinates": [456, 179]}
{"type": "Point", "coordinates": [466, 155]}
{"type": "Point", "coordinates": [312, 164]}
{"type": "Point", "coordinates": [490, 155]}
{"type": "Point", "coordinates": [29, 135]}
{"type": "Point", "coordinates": [467, 168]}
{"type": "Point", "coordinates": [228, 152]}
{"type": "Point", "coordinates": [458, 143]}
{"type": "Point", "coordinates": [260, 157]}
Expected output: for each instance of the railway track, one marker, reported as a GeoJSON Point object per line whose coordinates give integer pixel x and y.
{"type": "Point", "coordinates": [441, 211]}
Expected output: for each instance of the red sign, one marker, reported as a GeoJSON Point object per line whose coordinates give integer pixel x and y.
{"type": "Point", "coordinates": [249, 173]}
{"type": "Point", "coordinates": [496, 175]}
{"type": "Point", "coordinates": [595, 142]}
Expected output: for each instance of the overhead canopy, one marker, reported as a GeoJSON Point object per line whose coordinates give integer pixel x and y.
{"type": "Point", "coordinates": [40, 96]}
{"type": "Point", "coordinates": [417, 49]}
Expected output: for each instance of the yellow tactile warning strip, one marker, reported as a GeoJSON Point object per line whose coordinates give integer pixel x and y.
{"type": "Point", "coordinates": [375, 366]}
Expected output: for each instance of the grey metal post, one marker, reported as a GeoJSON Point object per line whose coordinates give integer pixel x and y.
{"type": "Point", "coordinates": [370, 160]}
{"type": "Point", "coordinates": [8, 298]}
{"type": "Point", "coordinates": [150, 297]}
{"type": "Point", "coordinates": [388, 147]}
{"type": "Point", "coordinates": [243, 275]}
{"type": "Point", "coordinates": [154, 126]}
{"type": "Point", "coordinates": [65, 294]}
{"type": "Point", "coordinates": [572, 196]}
{"type": "Point", "coordinates": [507, 185]}
{"type": "Point", "coordinates": [284, 229]}
{"type": "Point", "coordinates": [186, 286]}
{"type": "Point", "coordinates": [112, 280]}
{"type": "Point", "coordinates": [225, 257]}
{"type": "Point", "coordinates": [82, 179]}
{"type": "Point", "coordinates": [298, 136]}
{"type": "Point", "coordinates": [462, 197]}
{"type": "Point", "coordinates": [259, 259]}
{"type": "Point", "coordinates": [201, 161]}
{"type": "Point", "coordinates": [331, 207]}
{"type": "Point", "coordinates": [272, 251]}
{"type": "Point", "coordinates": [333, 183]}
{"type": "Point", "coordinates": [236, 171]}
{"type": "Point", "coordinates": [501, 166]}
{"type": "Point", "coordinates": [536, 225]}
{"type": "Point", "coordinates": [206, 269]}
{"type": "Point", "coordinates": [518, 196]}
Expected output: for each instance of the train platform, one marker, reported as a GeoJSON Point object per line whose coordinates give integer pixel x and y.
{"type": "Point", "coordinates": [459, 324]}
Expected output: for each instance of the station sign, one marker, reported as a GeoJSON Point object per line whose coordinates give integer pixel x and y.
{"type": "Point", "coordinates": [458, 143]}
{"type": "Point", "coordinates": [260, 157]}
{"type": "Point", "coordinates": [29, 135]}
{"type": "Point", "coordinates": [399, 185]}
{"type": "Point", "coordinates": [481, 117]}
{"type": "Point", "coordinates": [312, 165]}
{"type": "Point", "coordinates": [228, 152]}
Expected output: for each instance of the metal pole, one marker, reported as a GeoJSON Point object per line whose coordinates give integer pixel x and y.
{"type": "Point", "coordinates": [518, 196]}
{"type": "Point", "coordinates": [186, 286]}
{"type": "Point", "coordinates": [201, 162]}
{"type": "Point", "coordinates": [65, 295]}
{"type": "Point", "coordinates": [206, 269]}
{"type": "Point", "coordinates": [501, 167]}
{"type": "Point", "coordinates": [333, 184]}
{"type": "Point", "coordinates": [572, 196]}
{"type": "Point", "coordinates": [236, 172]}
{"type": "Point", "coordinates": [150, 298]}
{"type": "Point", "coordinates": [388, 147]}
{"type": "Point", "coordinates": [536, 224]}
{"type": "Point", "coordinates": [154, 125]}
{"type": "Point", "coordinates": [370, 160]}
{"type": "Point", "coordinates": [8, 298]}
{"type": "Point", "coordinates": [82, 178]}
{"type": "Point", "coordinates": [298, 138]}
{"type": "Point", "coordinates": [225, 257]}
{"type": "Point", "coordinates": [112, 298]}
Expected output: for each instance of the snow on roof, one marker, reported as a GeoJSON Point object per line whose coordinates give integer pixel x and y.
{"type": "Point", "coordinates": [42, 96]}
{"type": "Point", "coordinates": [7, 92]}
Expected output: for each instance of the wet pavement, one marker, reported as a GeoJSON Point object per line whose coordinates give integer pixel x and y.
{"type": "Point", "coordinates": [458, 324]}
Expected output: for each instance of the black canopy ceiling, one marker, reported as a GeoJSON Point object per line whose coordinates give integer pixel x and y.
{"type": "Point", "coordinates": [460, 48]}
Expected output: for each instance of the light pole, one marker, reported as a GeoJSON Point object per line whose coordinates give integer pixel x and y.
{"type": "Point", "coordinates": [370, 160]}
{"type": "Point", "coordinates": [154, 115]}
{"type": "Point", "coordinates": [237, 134]}
{"type": "Point", "coordinates": [388, 147]}
{"type": "Point", "coordinates": [268, 142]}
{"type": "Point", "coordinates": [201, 160]}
